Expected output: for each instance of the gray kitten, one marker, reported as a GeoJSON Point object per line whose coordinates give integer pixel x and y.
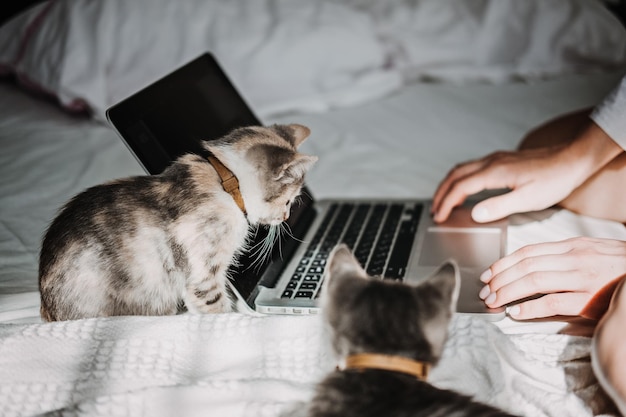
{"type": "Point", "coordinates": [148, 245]}
{"type": "Point", "coordinates": [404, 327]}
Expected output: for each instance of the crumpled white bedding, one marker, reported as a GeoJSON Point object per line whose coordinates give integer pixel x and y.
{"type": "Point", "coordinates": [288, 55]}
{"type": "Point", "coordinates": [244, 365]}
{"type": "Point", "coordinates": [400, 145]}
{"type": "Point", "coordinates": [239, 365]}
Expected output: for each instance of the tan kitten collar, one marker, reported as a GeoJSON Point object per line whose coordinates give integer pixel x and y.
{"type": "Point", "coordinates": [229, 182]}
{"type": "Point", "coordinates": [388, 363]}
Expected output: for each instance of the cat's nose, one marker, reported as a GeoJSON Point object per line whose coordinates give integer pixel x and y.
{"type": "Point", "coordinates": [285, 216]}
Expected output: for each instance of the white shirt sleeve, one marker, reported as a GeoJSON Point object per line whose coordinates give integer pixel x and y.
{"type": "Point", "coordinates": [610, 115]}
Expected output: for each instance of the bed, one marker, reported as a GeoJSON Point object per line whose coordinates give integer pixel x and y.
{"type": "Point", "coordinates": [395, 94]}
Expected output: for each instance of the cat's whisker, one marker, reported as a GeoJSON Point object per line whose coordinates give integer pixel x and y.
{"type": "Point", "coordinates": [278, 237]}
{"type": "Point", "coordinates": [263, 250]}
{"type": "Point", "coordinates": [283, 230]}
{"type": "Point", "coordinates": [287, 230]}
{"type": "Point", "coordinates": [254, 247]}
{"type": "Point", "coordinates": [271, 244]}
{"type": "Point", "coordinates": [256, 231]}
{"type": "Point", "coordinates": [257, 249]}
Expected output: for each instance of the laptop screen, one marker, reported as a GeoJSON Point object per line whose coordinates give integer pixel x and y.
{"type": "Point", "coordinates": [171, 116]}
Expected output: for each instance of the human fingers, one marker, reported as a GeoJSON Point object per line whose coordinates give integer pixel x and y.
{"type": "Point", "coordinates": [531, 265]}
{"type": "Point", "coordinates": [486, 177]}
{"type": "Point", "coordinates": [602, 259]}
{"type": "Point", "coordinates": [471, 177]}
{"type": "Point", "coordinates": [454, 175]}
{"type": "Point", "coordinates": [523, 257]}
{"type": "Point", "coordinates": [519, 199]}
{"type": "Point", "coordinates": [581, 265]}
{"type": "Point", "coordinates": [533, 283]}
{"type": "Point", "coordinates": [566, 304]}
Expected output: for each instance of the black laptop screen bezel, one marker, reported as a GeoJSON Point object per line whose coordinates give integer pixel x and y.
{"type": "Point", "coordinates": [169, 117]}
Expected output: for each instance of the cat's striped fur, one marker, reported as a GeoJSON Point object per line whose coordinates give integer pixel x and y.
{"type": "Point", "coordinates": [150, 245]}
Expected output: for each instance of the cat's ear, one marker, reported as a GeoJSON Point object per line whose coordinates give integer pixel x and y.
{"type": "Point", "coordinates": [342, 266]}
{"type": "Point", "coordinates": [445, 282]}
{"type": "Point", "coordinates": [295, 169]}
{"type": "Point", "coordinates": [342, 262]}
{"type": "Point", "coordinates": [300, 133]}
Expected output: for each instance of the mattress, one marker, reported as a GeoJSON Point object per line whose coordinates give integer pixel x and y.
{"type": "Point", "coordinates": [399, 146]}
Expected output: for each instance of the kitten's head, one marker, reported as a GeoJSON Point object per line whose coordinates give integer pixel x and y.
{"type": "Point", "coordinates": [372, 315]}
{"type": "Point", "coordinates": [268, 166]}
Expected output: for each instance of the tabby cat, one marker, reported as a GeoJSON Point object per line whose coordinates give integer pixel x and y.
{"type": "Point", "coordinates": [388, 334]}
{"type": "Point", "coordinates": [155, 245]}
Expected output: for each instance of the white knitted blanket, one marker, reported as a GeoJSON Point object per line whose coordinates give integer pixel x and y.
{"type": "Point", "coordinates": [241, 365]}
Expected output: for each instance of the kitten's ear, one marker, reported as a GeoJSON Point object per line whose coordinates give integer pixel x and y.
{"type": "Point", "coordinates": [341, 265]}
{"type": "Point", "coordinates": [446, 282]}
{"type": "Point", "coordinates": [342, 262]}
{"type": "Point", "coordinates": [300, 133]}
{"type": "Point", "coordinates": [446, 279]}
{"type": "Point", "coordinates": [295, 169]}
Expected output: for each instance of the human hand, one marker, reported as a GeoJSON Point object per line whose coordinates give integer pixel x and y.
{"type": "Point", "coordinates": [538, 178]}
{"type": "Point", "coordinates": [576, 275]}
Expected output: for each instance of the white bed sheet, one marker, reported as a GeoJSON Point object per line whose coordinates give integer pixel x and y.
{"type": "Point", "coordinates": [399, 146]}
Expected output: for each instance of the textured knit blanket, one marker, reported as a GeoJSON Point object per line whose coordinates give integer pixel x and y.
{"type": "Point", "coordinates": [241, 365]}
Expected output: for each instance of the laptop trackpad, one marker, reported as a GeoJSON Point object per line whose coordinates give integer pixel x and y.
{"type": "Point", "coordinates": [473, 247]}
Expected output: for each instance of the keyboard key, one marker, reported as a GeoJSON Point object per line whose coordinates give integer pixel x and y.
{"type": "Point", "coordinates": [377, 267]}
{"type": "Point", "coordinates": [315, 270]}
{"type": "Point", "coordinates": [375, 270]}
{"type": "Point", "coordinates": [287, 294]}
{"type": "Point", "coordinates": [313, 278]}
{"type": "Point", "coordinates": [304, 294]}
{"type": "Point", "coordinates": [369, 230]}
{"type": "Point", "coordinates": [402, 248]}
{"type": "Point", "coordinates": [356, 225]}
{"type": "Point", "coordinates": [323, 227]}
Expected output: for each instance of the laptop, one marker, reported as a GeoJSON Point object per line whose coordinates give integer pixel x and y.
{"type": "Point", "coordinates": [393, 239]}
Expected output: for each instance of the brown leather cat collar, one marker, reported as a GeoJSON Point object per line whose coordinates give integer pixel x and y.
{"type": "Point", "coordinates": [229, 182]}
{"type": "Point", "coordinates": [388, 363]}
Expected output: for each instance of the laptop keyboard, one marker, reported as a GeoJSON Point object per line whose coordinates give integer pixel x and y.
{"type": "Point", "coordinates": [380, 236]}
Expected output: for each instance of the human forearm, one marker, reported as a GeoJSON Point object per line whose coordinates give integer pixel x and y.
{"type": "Point", "coordinates": [591, 150]}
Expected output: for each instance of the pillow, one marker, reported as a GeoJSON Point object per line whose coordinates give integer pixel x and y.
{"type": "Point", "coordinates": [302, 55]}
{"type": "Point", "coordinates": [283, 55]}
{"type": "Point", "coordinates": [497, 40]}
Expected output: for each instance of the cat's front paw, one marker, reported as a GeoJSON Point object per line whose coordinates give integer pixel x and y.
{"type": "Point", "coordinates": [209, 302]}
